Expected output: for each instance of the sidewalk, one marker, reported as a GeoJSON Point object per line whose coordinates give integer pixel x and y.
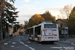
{"type": "Point", "coordinates": [68, 40]}
{"type": "Point", "coordinates": [6, 39]}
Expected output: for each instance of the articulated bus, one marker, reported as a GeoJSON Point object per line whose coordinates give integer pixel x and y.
{"type": "Point", "coordinates": [44, 32]}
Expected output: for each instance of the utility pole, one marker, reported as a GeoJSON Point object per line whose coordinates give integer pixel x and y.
{"type": "Point", "coordinates": [2, 6]}
{"type": "Point", "coordinates": [1, 34]}
{"type": "Point", "coordinates": [1, 11]}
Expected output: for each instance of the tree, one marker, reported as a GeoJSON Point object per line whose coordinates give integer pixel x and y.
{"type": "Point", "coordinates": [71, 21]}
{"type": "Point", "coordinates": [5, 10]}
{"type": "Point", "coordinates": [7, 14]}
{"type": "Point", "coordinates": [3, 4]}
{"type": "Point", "coordinates": [16, 27]}
{"type": "Point", "coordinates": [54, 20]}
{"type": "Point", "coordinates": [66, 11]}
{"type": "Point", "coordinates": [48, 16]}
{"type": "Point", "coordinates": [35, 19]}
{"type": "Point", "coordinates": [26, 23]}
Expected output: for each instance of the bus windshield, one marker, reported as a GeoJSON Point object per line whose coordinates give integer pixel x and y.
{"type": "Point", "coordinates": [49, 25]}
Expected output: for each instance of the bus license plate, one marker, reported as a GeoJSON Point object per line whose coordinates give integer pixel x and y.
{"type": "Point", "coordinates": [50, 37]}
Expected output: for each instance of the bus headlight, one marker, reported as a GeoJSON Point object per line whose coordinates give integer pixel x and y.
{"type": "Point", "coordinates": [44, 37]}
{"type": "Point", "coordinates": [56, 37]}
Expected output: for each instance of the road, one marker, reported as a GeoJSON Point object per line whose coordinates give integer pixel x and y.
{"type": "Point", "coordinates": [22, 43]}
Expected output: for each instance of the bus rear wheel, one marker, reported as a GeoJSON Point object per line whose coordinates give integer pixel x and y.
{"type": "Point", "coordinates": [52, 42]}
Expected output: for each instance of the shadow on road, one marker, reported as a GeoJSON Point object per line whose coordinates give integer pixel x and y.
{"type": "Point", "coordinates": [46, 43]}
{"type": "Point", "coordinates": [43, 43]}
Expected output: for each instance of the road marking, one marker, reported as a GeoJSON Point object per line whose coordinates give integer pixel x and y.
{"type": "Point", "coordinates": [26, 45]}
{"type": "Point", "coordinates": [12, 46]}
{"type": "Point", "coordinates": [5, 43]}
{"type": "Point", "coordinates": [31, 48]}
{"type": "Point", "coordinates": [13, 42]}
{"type": "Point", "coordinates": [21, 42]}
{"type": "Point", "coordinates": [72, 43]}
{"type": "Point", "coordinates": [28, 42]}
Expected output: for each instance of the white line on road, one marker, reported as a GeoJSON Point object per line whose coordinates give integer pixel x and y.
{"type": "Point", "coordinates": [13, 42]}
{"type": "Point", "coordinates": [26, 45]}
{"type": "Point", "coordinates": [5, 43]}
{"type": "Point", "coordinates": [12, 46]}
{"type": "Point", "coordinates": [21, 42]}
{"type": "Point", "coordinates": [31, 48]}
{"type": "Point", "coordinates": [28, 42]}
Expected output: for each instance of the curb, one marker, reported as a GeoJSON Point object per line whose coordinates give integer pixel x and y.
{"type": "Point", "coordinates": [72, 43]}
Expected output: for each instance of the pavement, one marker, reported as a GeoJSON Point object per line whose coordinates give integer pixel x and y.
{"type": "Point", "coordinates": [5, 39]}
{"type": "Point", "coordinates": [68, 40]}
{"type": "Point", "coordinates": [22, 43]}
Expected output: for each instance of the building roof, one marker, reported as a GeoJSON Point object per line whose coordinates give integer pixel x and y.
{"type": "Point", "coordinates": [64, 20]}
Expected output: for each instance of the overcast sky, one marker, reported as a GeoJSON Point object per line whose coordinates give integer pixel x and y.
{"type": "Point", "coordinates": [27, 8]}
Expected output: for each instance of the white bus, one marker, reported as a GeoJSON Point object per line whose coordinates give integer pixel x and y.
{"type": "Point", "coordinates": [44, 32]}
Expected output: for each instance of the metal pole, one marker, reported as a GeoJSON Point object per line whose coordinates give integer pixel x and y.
{"type": "Point", "coordinates": [13, 27]}
{"type": "Point", "coordinates": [1, 7]}
{"type": "Point", "coordinates": [23, 30]}
{"type": "Point", "coordinates": [67, 33]}
{"type": "Point", "coordinates": [1, 34]}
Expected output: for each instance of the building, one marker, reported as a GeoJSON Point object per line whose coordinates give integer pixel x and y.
{"type": "Point", "coordinates": [11, 31]}
{"type": "Point", "coordinates": [22, 31]}
{"type": "Point", "coordinates": [63, 29]}
{"type": "Point", "coordinates": [62, 23]}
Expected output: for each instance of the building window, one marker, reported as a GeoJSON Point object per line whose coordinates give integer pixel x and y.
{"type": "Point", "coordinates": [61, 25]}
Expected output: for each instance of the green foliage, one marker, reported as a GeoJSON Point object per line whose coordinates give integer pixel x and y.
{"type": "Point", "coordinates": [16, 27]}
{"type": "Point", "coordinates": [71, 21]}
{"type": "Point", "coordinates": [9, 13]}
{"type": "Point", "coordinates": [48, 16]}
{"type": "Point", "coordinates": [26, 23]}
{"type": "Point", "coordinates": [12, 1]}
{"type": "Point", "coordinates": [35, 20]}
{"type": "Point", "coordinates": [8, 16]}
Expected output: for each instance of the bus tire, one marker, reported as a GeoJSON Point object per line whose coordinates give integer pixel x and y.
{"type": "Point", "coordinates": [28, 39]}
{"type": "Point", "coordinates": [52, 42]}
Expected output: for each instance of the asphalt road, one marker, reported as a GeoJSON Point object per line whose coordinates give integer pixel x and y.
{"type": "Point", "coordinates": [22, 43]}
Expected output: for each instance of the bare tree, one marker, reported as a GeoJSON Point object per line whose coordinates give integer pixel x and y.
{"type": "Point", "coordinates": [66, 10]}
{"type": "Point", "coordinates": [26, 23]}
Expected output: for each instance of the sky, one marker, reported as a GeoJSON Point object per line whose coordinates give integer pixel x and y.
{"type": "Point", "coordinates": [28, 8]}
